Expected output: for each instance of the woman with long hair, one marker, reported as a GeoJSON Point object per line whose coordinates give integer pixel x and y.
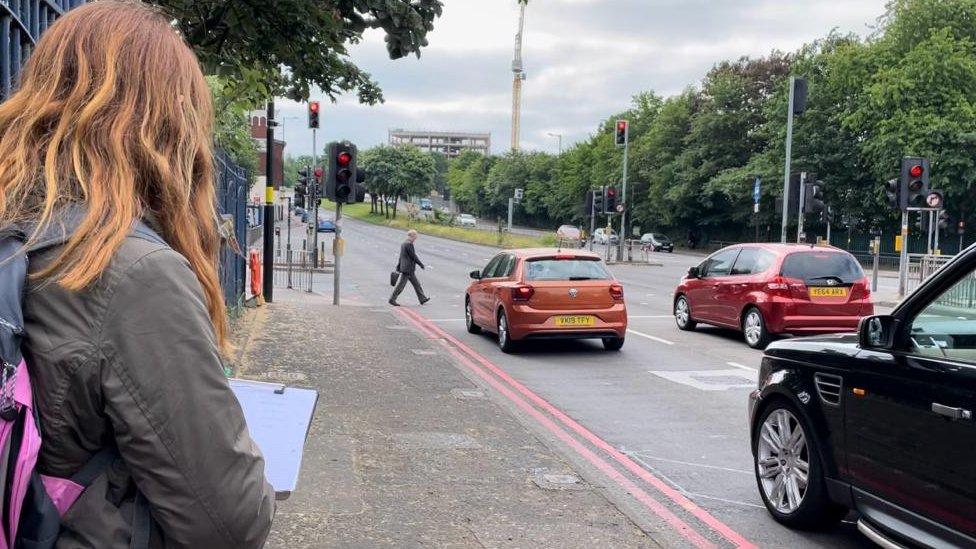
{"type": "Point", "coordinates": [111, 129]}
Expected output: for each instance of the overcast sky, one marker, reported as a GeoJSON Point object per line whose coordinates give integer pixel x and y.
{"type": "Point", "coordinates": [584, 60]}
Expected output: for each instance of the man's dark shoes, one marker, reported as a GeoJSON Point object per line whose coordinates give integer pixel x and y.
{"type": "Point", "coordinates": [424, 300]}
{"type": "Point", "coordinates": [394, 303]}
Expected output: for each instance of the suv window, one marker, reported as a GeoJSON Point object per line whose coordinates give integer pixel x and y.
{"type": "Point", "coordinates": [720, 264]}
{"type": "Point", "coordinates": [946, 328]}
{"type": "Point", "coordinates": [817, 266]}
{"type": "Point", "coordinates": [752, 261]}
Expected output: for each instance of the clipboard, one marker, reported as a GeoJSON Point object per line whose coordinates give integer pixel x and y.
{"type": "Point", "coordinates": [278, 418]}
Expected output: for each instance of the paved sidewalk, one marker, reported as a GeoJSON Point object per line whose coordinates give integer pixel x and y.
{"type": "Point", "coordinates": [404, 450]}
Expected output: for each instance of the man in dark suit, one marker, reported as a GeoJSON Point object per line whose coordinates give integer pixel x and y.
{"type": "Point", "coordinates": [407, 267]}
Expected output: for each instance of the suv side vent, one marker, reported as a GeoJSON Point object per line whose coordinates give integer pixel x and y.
{"type": "Point", "coordinates": [829, 388]}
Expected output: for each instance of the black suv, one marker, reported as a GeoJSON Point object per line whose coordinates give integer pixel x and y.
{"type": "Point", "coordinates": [880, 421]}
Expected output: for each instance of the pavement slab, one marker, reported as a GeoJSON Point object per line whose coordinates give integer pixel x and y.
{"type": "Point", "coordinates": [405, 450]}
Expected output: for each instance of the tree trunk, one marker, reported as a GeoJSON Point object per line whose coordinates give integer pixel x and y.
{"type": "Point", "coordinates": [396, 201]}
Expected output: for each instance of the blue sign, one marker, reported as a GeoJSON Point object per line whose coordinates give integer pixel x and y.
{"type": "Point", "coordinates": [755, 190]}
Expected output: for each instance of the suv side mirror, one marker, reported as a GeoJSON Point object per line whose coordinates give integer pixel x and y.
{"type": "Point", "coordinates": [475, 275]}
{"type": "Point", "coordinates": [876, 332]}
{"type": "Point", "coordinates": [694, 272]}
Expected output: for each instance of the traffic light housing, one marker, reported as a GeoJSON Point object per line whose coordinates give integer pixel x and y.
{"type": "Point", "coordinates": [313, 114]}
{"type": "Point", "coordinates": [341, 174]}
{"type": "Point", "coordinates": [813, 199]}
{"type": "Point", "coordinates": [610, 200]}
{"type": "Point", "coordinates": [800, 89]}
{"type": "Point", "coordinates": [914, 182]}
{"type": "Point", "coordinates": [893, 194]}
{"type": "Point", "coordinates": [301, 189]}
{"type": "Point", "coordinates": [598, 200]}
{"type": "Point", "coordinates": [621, 135]}
{"type": "Point", "coordinates": [944, 219]}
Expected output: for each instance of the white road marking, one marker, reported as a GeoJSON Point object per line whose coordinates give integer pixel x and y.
{"type": "Point", "coordinates": [648, 336]}
{"type": "Point", "coordinates": [447, 320]}
{"type": "Point", "coordinates": [693, 464]}
{"type": "Point", "coordinates": [650, 316]}
{"type": "Point", "coordinates": [707, 380]}
{"type": "Point", "coordinates": [681, 489]}
{"type": "Point", "coordinates": [741, 366]}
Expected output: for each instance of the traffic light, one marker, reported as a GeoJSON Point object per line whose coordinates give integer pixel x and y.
{"type": "Point", "coordinates": [893, 194]}
{"type": "Point", "coordinates": [914, 182]}
{"type": "Point", "coordinates": [944, 219]}
{"type": "Point", "coordinates": [621, 135]}
{"type": "Point", "coordinates": [341, 176]}
{"type": "Point", "coordinates": [598, 196]}
{"type": "Point", "coordinates": [610, 200]}
{"type": "Point", "coordinates": [799, 95]}
{"type": "Point", "coordinates": [313, 114]}
{"type": "Point", "coordinates": [301, 189]}
{"type": "Point", "coordinates": [961, 228]}
{"type": "Point", "coordinates": [922, 223]}
{"type": "Point", "coordinates": [813, 195]}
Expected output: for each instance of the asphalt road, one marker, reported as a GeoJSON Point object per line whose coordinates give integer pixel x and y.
{"type": "Point", "coordinates": [672, 402]}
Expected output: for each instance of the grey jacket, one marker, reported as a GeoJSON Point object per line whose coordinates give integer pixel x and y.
{"type": "Point", "coordinates": [408, 259]}
{"type": "Point", "coordinates": [132, 361]}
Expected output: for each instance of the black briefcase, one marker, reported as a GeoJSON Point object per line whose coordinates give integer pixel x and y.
{"type": "Point", "coordinates": [394, 277]}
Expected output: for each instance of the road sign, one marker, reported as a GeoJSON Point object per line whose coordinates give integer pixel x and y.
{"type": "Point", "coordinates": [755, 191]}
{"type": "Point", "coordinates": [934, 199]}
{"type": "Point", "coordinates": [519, 193]}
{"type": "Point", "coordinates": [620, 208]}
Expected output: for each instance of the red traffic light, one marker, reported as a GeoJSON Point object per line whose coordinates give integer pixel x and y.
{"type": "Point", "coordinates": [318, 173]}
{"type": "Point", "coordinates": [621, 125]}
{"type": "Point", "coordinates": [343, 159]}
{"type": "Point", "coordinates": [916, 171]}
{"type": "Point", "coordinates": [313, 106]}
{"type": "Point", "coordinates": [611, 191]}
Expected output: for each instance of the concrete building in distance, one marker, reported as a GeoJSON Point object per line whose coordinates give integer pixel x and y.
{"type": "Point", "coordinates": [450, 144]}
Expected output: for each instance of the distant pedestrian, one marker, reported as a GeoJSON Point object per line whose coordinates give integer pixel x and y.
{"type": "Point", "coordinates": [407, 267]}
{"type": "Point", "coordinates": [106, 166]}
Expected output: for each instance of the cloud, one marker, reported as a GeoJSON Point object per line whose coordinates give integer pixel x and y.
{"type": "Point", "coordinates": [584, 60]}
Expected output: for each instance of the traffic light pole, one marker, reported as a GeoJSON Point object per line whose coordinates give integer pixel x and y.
{"type": "Point", "coordinates": [593, 221]}
{"type": "Point", "coordinates": [903, 257]}
{"type": "Point", "coordinates": [269, 221]}
{"type": "Point", "coordinates": [803, 192]}
{"type": "Point", "coordinates": [789, 153]}
{"type": "Point", "coordinates": [623, 213]}
{"type": "Point", "coordinates": [511, 206]}
{"type": "Point", "coordinates": [336, 253]}
{"type": "Point", "coordinates": [318, 200]}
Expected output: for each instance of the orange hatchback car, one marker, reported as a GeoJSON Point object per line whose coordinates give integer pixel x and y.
{"type": "Point", "coordinates": [546, 294]}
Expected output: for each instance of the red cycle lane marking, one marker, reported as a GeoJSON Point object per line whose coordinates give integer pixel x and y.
{"type": "Point", "coordinates": [675, 496]}
{"type": "Point", "coordinates": [639, 494]}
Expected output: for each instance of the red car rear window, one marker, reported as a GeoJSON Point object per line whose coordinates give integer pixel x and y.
{"type": "Point", "coordinates": [579, 268]}
{"type": "Point", "coordinates": [815, 266]}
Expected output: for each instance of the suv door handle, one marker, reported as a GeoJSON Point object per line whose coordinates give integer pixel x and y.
{"type": "Point", "coordinates": [950, 412]}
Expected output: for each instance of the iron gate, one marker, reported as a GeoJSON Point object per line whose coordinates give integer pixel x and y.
{"type": "Point", "coordinates": [21, 24]}
{"type": "Point", "coordinates": [233, 183]}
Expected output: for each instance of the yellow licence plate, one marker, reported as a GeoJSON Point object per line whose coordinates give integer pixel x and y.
{"type": "Point", "coordinates": [828, 292]}
{"type": "Point", "coordinates": [575, 321]}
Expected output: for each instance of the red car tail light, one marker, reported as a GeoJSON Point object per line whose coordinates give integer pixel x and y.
{"type": "Point", "coordinates": [617, 292]}
{"type": "Point", "coordinates": [861, 289]}
{"type": "Point", "coordinates": [522, 293]}
{"type": "Point", "coordinates": [779, 286]}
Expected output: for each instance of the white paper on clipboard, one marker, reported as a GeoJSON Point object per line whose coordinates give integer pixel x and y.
{"type": "Point", "coordinates": [278, 418]}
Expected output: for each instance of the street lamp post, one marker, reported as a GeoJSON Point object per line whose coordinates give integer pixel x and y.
{"type": "Point", "coordinates": [560, 137]}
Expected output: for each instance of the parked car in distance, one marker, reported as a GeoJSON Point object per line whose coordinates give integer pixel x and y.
{"type": "Point", "coordinates": [569, 235]}
{"type": "Point", "coordinates": [658, 242]}
{"type": "Point", "coordinates": [326, 224]}
{"type": "Point", "coordinates": [601, 236]}
{"type": "Point", "coordinates": [467, 220]}
{"type": "Point", "coordinates": [770, 289]}
{"type": "Point", "coordinates": [880, 421]}
{"type": "Point", "coordinates": [426, 204]}
{"type": "Point", "coordinates": [546, 294]}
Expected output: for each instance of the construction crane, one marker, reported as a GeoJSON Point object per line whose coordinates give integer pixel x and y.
{"type": "Point", "coordinates": [517, 81]}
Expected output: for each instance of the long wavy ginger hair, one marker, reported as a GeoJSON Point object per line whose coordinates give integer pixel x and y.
{"type": "Point", "coordinates": [113, 113]}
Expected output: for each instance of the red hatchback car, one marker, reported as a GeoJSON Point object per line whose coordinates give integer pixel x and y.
{"type": "Point", "coordinates": [768, 289]}
{"type": "Point", "coordinates": [546, 294]}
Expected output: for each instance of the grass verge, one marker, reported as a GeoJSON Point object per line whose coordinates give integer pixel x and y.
{"type": "Point", "coordinates": [473, 236]}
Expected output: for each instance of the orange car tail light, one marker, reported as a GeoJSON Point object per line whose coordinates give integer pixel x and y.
{"type": "Point", "coordinates": [522, 293]}
{"type": "Point", "coordinates": [617, 292]}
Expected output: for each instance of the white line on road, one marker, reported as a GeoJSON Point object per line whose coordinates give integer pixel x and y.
{"type": "Point", "coordinates": [447, 320]}
{"type": "Point", "coordinates": [648, 336]}
{"type": "Point", "coordinates": [681, 489]}
{"type": "Point", "coordinates": [679, 462]}
{"type": "Point", "coordinates": [741, 366]}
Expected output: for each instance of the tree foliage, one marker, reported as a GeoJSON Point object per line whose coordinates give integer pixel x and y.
{"type": "Point", "coordinates": [251, 42]}
{"type": "Point", "coordinates": [393, 172]}
{"type": "Point", "coordinates": [909, 89]}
